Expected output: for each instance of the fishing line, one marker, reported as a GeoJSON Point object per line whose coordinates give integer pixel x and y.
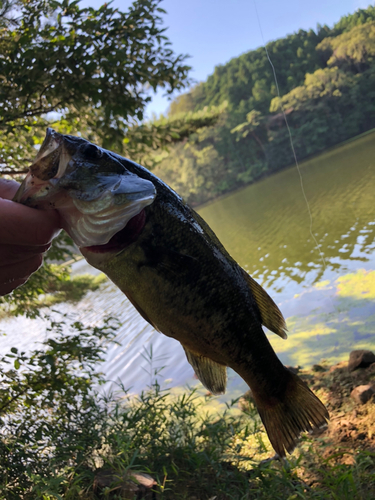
{"type": "Point", "coordinates": [290, 140]}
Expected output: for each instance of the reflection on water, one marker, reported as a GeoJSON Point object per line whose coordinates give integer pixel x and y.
{"type": "Point", "coordinates": [124, 361]}
{"type": "Point", "coordinates": [265, 227]}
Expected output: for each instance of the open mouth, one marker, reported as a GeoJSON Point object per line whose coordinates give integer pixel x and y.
{"type": "Point", "coordinates": [123, 238]}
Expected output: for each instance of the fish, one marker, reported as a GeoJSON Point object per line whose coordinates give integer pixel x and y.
{"type": "Point", "coordinates": [172, 267]}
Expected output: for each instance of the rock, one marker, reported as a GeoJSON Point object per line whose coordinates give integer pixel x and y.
{"type": "Point", "coordinates": [362, 393]}
{"type": "Point", "coordinates": [129, 484]}
{"type": "Point", "coordinates": [360, 359]}
{"type": "Point", "coordinates": [339, 367]}
{"type": "Point", "coordinates": [318, 368]}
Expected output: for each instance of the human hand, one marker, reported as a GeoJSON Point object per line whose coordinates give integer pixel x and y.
{"type": "Point", "coordinates": [25, 235]}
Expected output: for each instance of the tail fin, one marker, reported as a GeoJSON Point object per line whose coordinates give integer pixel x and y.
{"type": "Point", "coordinates": [299, 410]}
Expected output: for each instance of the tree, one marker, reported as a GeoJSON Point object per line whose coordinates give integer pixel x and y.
{"type": "Point", "coordinates": [346, 23]}
{"type": "Point", "coordinates": [326, 82]}
{"type": "Point", "coordinates": [353, 50]}
{"type": "Point", "coordinates": [322, 84]}
{"type": "Point", "coordinates": [94, 68]}
{"type": "Point", "coordinates": [83, 71]}
{"type": "Point", "coordinates": [254, 121]}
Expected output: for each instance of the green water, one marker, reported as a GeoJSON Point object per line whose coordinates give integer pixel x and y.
{"type": "Point", "coordinates": [327, 297]}
{"type": "Point", "coordinates": [329, 308]}
{"type": "Point", "coordinates": [266, 227]}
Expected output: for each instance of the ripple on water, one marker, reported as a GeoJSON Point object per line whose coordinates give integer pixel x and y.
{"type": "Point", "coordinates": [265, 227]}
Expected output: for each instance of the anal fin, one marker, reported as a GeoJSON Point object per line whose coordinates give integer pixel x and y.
{"type": "Point", "coordinates": [212, 375]}
{"type": "Point", "coordinates": [271, 315]}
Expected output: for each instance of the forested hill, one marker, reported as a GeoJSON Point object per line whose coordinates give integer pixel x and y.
{"type": "Point", "coordinates": [327, 83]}
{"type": "Point", "coordinates": [247, 81]}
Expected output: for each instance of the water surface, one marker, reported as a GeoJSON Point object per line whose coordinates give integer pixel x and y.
{"type": "Point", "coordinates": [327, 296]}
{"type": "Point", "coordinates": [266, 227]}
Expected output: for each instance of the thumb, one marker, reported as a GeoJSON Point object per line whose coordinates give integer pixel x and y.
{"type": "Point", "coordinates": [8, 188]}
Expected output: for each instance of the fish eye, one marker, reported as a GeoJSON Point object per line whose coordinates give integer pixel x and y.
{"type": "Point", "coordinates": [91, 151]}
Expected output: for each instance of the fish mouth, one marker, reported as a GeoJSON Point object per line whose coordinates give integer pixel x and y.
{"type": "Point", "coordinates": [94, 193]}
{"type": "Point", "coordinates": [123, 238]}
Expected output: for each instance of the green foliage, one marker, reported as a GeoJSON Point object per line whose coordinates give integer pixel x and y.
{"type": "Point", "coordinates": [194, 166]}
{"type": "Point", "coordinates": [59, 433]}
{"type": "Point", "coordinates": [327, 89]}
{"type": "Point", "coordinates": [93, 66]}
{"type": "Point", "coordinates": [361, 16]}
{"type": "Point", "coordinates": [183, 445]}
{"type": "Point", "coordinates": [247, 82]}
{"type": "Point", "coordinates": [52, 284]}
{"type": "Point", "coordinates": [143, 140]}
{"type": "Point", "coordinates": [52, 418]}
{"type": "Point", "coordinates": [25, 299]}
{"type": "Point", "coordinates": [353, 50]}
{"type": "Point", "coordinates": [82, 71]}
{"type": "Point", "coordinates": [57, 429]}
{"type": "Point", "coordinates": [74, 288]}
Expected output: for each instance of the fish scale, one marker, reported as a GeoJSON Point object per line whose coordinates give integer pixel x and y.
{"type": "Point", "coordinates": [178, 276]}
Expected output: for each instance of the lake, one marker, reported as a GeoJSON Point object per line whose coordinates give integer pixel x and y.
{"type": "Point", "coordinates": [327, 297]}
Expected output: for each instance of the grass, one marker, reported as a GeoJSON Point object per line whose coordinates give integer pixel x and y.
{"type": "Point", "coordinates": [51, 285]}
{"type": "Point", "coordinates": [72, 289]}
{"type": "Point", "coordinates": [60, 435]}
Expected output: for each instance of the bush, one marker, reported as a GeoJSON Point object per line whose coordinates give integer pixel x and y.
{"type": "Point", "coordinates": [60, 435]}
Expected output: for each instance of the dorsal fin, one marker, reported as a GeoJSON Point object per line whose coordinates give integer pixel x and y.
{"type": "Point", "coordinates": [212, 375]}
{"type": "Point", "coordinates": [270, 314]}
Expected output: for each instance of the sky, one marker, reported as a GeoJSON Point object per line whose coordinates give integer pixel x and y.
{"type": "Point", "coordinates": [214, 31]}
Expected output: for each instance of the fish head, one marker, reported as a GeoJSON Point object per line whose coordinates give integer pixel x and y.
{"type": "Point", "coordinates": [94, 193]}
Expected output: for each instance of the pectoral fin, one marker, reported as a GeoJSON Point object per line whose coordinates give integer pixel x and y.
{"type": "Point", "coordinates": [212, 375]}
{"type": "Point", "coordinates": [270, 314]}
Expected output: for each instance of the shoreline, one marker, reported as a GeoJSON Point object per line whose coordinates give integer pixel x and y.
{"type": "Point", "coordinates": [324, 458]}
{"type": "Point", "coordinates": [290, 166]}
{"type": "Point", "coordinates": [347, 389]}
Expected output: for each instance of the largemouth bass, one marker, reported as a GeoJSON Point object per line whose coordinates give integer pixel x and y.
{"type": "Point", "coordinates": [168, 262]}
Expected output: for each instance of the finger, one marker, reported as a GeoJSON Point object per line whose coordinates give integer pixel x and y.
{"type": "Point", "coordinates": [9, 254]}
{"type": "Point", "coordinates": [8, 188]}
{"type": "Point", "coordinates": [9, 287]}
{"type": "Point", "coordinates": [21, 225]}
{"type": "Point", "coordinates": [20, 270]}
